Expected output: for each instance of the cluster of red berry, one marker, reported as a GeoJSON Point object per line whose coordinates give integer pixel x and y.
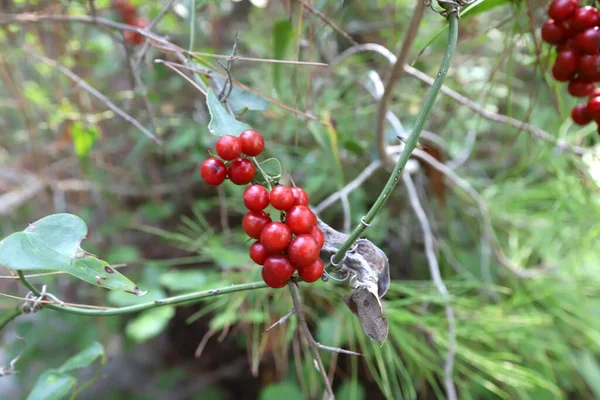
{"type": "Point", "coordinates": [574, 29]}
{"type": "Point", "coordinates": [282, 248]}
{"type": "Point", "coordinates": [128, 13]}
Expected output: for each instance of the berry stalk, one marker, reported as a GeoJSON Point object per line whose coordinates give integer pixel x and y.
{"type": "Point", "coordinates": [410, 144]}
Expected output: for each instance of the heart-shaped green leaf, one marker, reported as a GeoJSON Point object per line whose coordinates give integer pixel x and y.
{"type": "Point", "coordinates": [53, 244]}
{"type": "Point", "coordinates": [221, 122]}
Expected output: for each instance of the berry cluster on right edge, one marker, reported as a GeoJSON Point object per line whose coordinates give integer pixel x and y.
{"type": "Point", "coordinates": [574, 30]}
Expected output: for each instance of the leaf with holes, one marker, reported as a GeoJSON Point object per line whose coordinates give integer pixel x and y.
{"type": "Point", "coordinates": [221, 122]}
{"type": "Point", "coordinates": [53, 244]}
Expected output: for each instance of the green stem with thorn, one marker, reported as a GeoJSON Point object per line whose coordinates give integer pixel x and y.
{"type": "Point", "coordinates": [410, 144]}
{"type": "Point", "coordinates": [169, 301]}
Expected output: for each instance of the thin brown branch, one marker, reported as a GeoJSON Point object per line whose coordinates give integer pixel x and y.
{"type": "Point", "coordinates": [53, 302]}
{"type": "Point", "coordinates": [184, 76]}
{"type": "Point", "coordinates": [94, 92]}
{"type": "Point", "coordinates": [395, 74]}
{"type": "Point", "coordinates": [311, 341]}
{"type": "Point", "coordinates": [15, 277]}
{"type": "Point", "coordinates": [327, 21]}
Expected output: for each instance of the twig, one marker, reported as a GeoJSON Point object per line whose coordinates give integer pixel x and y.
{"type": "Point", "coordinates": [396, 73]}
{"type": "Point", "coordinates": [15, 277]}
{"type": "Point", "coordinates": [41, 301]}
{"type": "Point", "coordinates": [349, 188]}
{"type": "Point", "coordinates": [91, 90]}
{"type": "Point", "coordinates": [281, 320]}
{"type": "Point", "coordinates": [410, 144]}
{"type": "Point", "coordinates": [326, 20]}
{"type": "Point", "coordinates": [187, 78]}
{"type": "Point", "coordinates": [311, 341]}
{"type": "Point", "coordinates": [204, 342]}
{"type": "Point", "coordinates": [434, 270]}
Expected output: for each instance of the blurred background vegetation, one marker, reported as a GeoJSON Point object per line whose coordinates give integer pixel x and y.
{"type": "Point", "coordinates": [62, 150]}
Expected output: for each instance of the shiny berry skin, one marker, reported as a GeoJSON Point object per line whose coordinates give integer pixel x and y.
{"type": "Point", "coordinates": [317, 234]}
{"type": "Point", "coordinates": [580, 116]}
{"type": "Point", "coordinates": [553, 33]}
{"type": "Point", "coordinates": [584, 18]}
{"type": "Point", "coordinates": [229, 147]}
{"type": "Point", "coordinates": [312, 272]}
{"type": "Point", "coordinates": [588, 64]}
{"type": "Point", "coordinates": [270, 281]}
{"type": "Point", "coordinates": [279, 268]}
{"type": "Point", "coordinates": [567, 60]}
{"type": "Point", "coordinates": [580, 88]}
{"type": "Point", "coordinates": [561, 10]}
{"type": "Point", "coordinates": [276, 237]}
{"type": "Point", "coordinates": [213, 171]}
{"type": "Point", "coordinates": [241, 171]}
{"type": "Point", "coordinates": [588, 41]}
{"type": "Point", "coordinates": [254, 222]}
{"type": "Point", "coordinates": [252, 142]}
{"type": "Point", "coordinates": [593, 107]}
{"type": "Point", "coordinates": [300, 219]}
{"type": "Point", "coordinates": [595, 93]}
{"type": "Point", "coordinates": [560, 75]}
{"type": "Point", "coordinates": [300, 196]}
{"type": "Point", "coordinates": [256, 198]}
{"type": "Point", "coordinates": [281, 197]}
{"type": "Point", "coordinates": [258, 253]}
{"type": "Point", "coordinates": [303, 250]}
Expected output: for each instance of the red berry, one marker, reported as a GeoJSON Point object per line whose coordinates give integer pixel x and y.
{"type": "Point", "coordinates": [300, 196]}
{"type": "Point", "coordinates": [271, 282]}
{"type": "Point", "coordinates": [560, 75]}
{"type": "Point", "coordinates": [279, 268]}
{"type": "Point", "coordinates": [229, 147]}
{"type": "Point", "coordinates": [303, 250]}
{"type": "Point", "coordinates": [312, 272]}
{"type": "Point", "coordinates": [588, 64]}
{"type": "Point", "coordinates": [580, 88]}
{"type": "Point", "coordinates": [567, 60]}
{"type": "Point", "coordinates": [317, 234]}
{"type": "Point", "coordinates": [252, 142]}
{"type": "Point", "coordinates": [593, 107]}
{"type": "Point", "coordinates": [588, 41]}
{"type": "Point", "coordinates": [241, 171]}
{"type": "Point", "coordinates": [281, 197]}
{"type": "Point", "coordinates": [584, 18]}
{"type": "Point", "coordinates": [254, 222]}
{"type": "Point", "coordinates": [258, 253]}
{"type": "Point", "coordinates": [595, 93]}
{"type": "Point", "coordinates": [580, 116]}
{"type": "Point", "coordinates": [300, 219]}
{"type": "Point", "coordinates": [553, 33]}
{"type": "Point", "coordinates": [213, 171]}
{"type": "Point", "coordinates": [561, 10]}
{"type": "Point", "coordinates": [568, 45]}
{"type": "Point", "coordinates": [256, 198]}
{"type": "Point", "coordinates": [276, 237]}
{"type": "Point", "coordinates": [135, 37]}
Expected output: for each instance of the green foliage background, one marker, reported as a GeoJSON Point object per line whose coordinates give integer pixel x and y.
{"type": "Point", "coordinates": [146, 206]}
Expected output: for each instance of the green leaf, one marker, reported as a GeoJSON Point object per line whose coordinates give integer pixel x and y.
{"type": "Point", "coordinates": [590, 370]}
{"type": "Point", "coordinates": [221, 122]}
{"type": "Point", "coordinates": [84, 358]}
{"type": "Point", "coordinates": [121, 299]}
{"type": "Point", "coordinates": [284, 390]}
{"type": "Point", "coordinates": [149, 323]}
{"type": "Point", "coordinates": [53, 244]}
{"type": "Point", "coordinates": [282, 35]}
{"type": "Point", "coordinates": [350, 390]}
{"type": "Point", "coordinates": [239, 99]}
{"type": "Point", "coordinates": [84, 138]}
{"type": "Point", "coordinates": [52, 385]}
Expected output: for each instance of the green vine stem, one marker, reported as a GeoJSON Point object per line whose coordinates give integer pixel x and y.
{"type": "Point", "coordinates": [9, 317]}
{"type": "Point", "coordinates": [169, 301]}
{"type": "Point", "coordinates": [410, 144]}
